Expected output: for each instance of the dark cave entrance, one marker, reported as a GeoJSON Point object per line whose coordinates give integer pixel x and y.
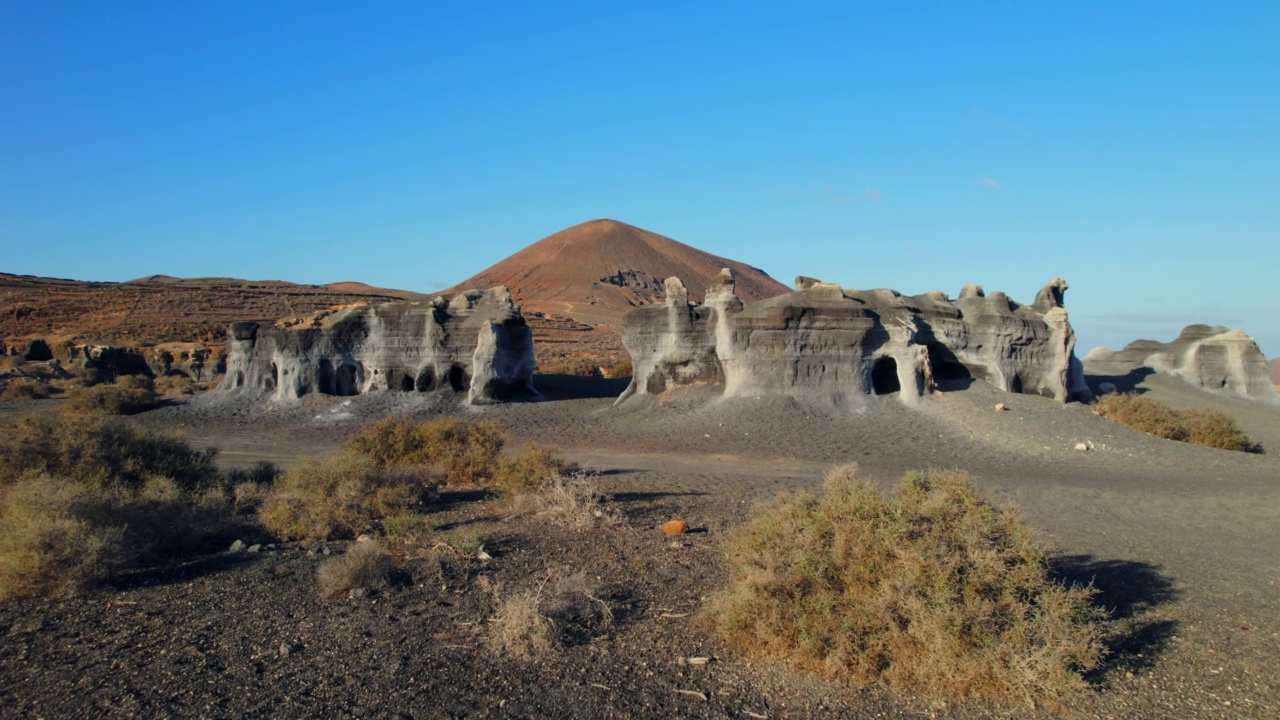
{"type": "Point", "coordinates": [326, 377]}
{"type": "Point", "coordinates": [346, 380]}
{"type": "Point", "coordinates": [884, 376]}
{"type": "Point", "coordinates": [275, 377]}
{"type": "Point", "coordinates": [458, 378]}
{"type": "Point", "coordinates": [406, 384]}
{"type": "Point", "coordinates": [945, 364]}
{"type": "Point", "coordinates": [426, 380]}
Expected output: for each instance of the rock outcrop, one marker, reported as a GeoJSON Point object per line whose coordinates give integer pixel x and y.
{"type": "Point", "coordinates": [476, 342]}
{"type": "Point", "coordinates": [1207, 356]}
{"type": "Point", "coordinates": [828, 344]}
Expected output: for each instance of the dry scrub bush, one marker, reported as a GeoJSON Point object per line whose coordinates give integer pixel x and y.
{"type": "Point", "coordinates": [1198, 427]}
{"type": "Point", "coordinates": [463, 453]}
{"type": "Point", "coordinates": [563, 607]}
{"type": "Point", "coordinates": [621, 369]}
{"type": "Point", "coordinates": [363, 565]}
{"type": "Point", "coordinates": [932, 591]}
{"type": "Point", "coordinates": [408, 531]}
{"type": "Point", "coordinates": [58, 535]}
{"type": "Point", "coordinates": [24, 389]}
{"type": "Point", "coordinates": [341, 497]}
{"type": "Point", "coordinates": [52, 539]}
{"type": "Point", "coordinates": [100, 452]}
{"type": "Point", "coordinates": [129, 395]}
{"type": "Point", "coordinates": [581, 368]}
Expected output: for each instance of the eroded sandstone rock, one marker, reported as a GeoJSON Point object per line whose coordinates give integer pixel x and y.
{"type": "Point", "coordinates": [829, 344]}
{"type": "Point", "coordinates": [475, 342]}
{"type": "Point", "coordinates": [1207, 356]}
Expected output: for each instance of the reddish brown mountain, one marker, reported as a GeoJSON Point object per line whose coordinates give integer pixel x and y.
{"type": "Point", "coordinates": [1273, 370]}
{"type": "Point", "coordinates": [596, 272]}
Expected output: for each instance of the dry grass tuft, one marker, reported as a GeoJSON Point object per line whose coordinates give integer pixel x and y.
{"type": "Point", "coordinates": [564, 607]}
{"type": "Point", "coordinates": [363, 565]}
{"type": "Point", "coordinates": [933, 591]}
{"type": "Point", "coordinates": [1198, 427]}
{"type": "Point", "coordinates": [574, 501]}
{"type": "Point", "coordinates": [130, 394]}
{"type": "Point", "coordinates": [519, 629]}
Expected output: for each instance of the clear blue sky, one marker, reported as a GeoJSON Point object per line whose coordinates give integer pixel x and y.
{"type": "Point", "coordinates": [1132, 148]}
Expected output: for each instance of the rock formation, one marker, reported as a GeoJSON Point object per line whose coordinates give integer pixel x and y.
{"type": "Point", "coordinates": [1210, 357]}
{"type": "Point", "coordinates": [476, 342]}
{"type": "Point", "coordinates": [828, 344]}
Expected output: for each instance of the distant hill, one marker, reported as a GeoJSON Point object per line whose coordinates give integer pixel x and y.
{"type": "Point", "coordinates": [596, 272]}
{"type": "Point", "coordinates": [160, 308]}
{"type": "Point", "coordinates": [1273, 370]}
{"type": "Point", "coordinates": [573, 286]}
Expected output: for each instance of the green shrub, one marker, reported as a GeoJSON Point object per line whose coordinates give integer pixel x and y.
{"type": "Point", "coordinates": [933, 591]}
{"type": "Point", "coordinates": [1198, 427]}
{"type": "Point", "coordinates": [100, 452]}
{"type": "Point", "coordinates": [341, 497]}
{"type": "Point", "coordinates": [129, 395]}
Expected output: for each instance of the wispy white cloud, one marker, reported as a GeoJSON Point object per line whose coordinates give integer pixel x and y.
{"type": "Point", "coordinates": [995, 121]}
{"type": "Point", "coordinates": [989, 182]}
{"type": "Point", "coordinates": [831, 195]}
{"type": "Point", "coordinates": [874, 194]}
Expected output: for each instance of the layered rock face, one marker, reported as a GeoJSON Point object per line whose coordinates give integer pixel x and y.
{"type": "Point", "coordinates": [1207, 356]}
{"type": "Point", "coordinates": [828, 344]}
{"type": "Point", "coordinates": [476, 342]}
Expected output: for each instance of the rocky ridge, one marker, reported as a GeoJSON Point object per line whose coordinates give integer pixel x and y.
{"type": "Point", "coordinates": [1211, 357]}
{"type": "Point", "coordinates": [832, 345]}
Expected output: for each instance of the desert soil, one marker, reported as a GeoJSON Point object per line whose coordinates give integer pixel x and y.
{"type": "Point", "coordinates": [1181, 542]}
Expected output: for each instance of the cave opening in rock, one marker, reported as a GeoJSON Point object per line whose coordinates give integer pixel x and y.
{"type": "Point", "coordinates": [1016, 385]}
{"type": "Point", "coordinates": [406, 383]}
{"type": "Point", "coordinates": [884, 376]}
{"type": "Point", "coordinates": [325, 377]}
{"type": "Point", "coordinates": [346, 377]}
{"type": "Point", "coordinates": [426, 380]}
{"type": "Point", "coordinates": [945, 364]}
{"type": "Point", "coordinates": [275, 377]}
{"type": "Point", "coordinates": [458, 378]}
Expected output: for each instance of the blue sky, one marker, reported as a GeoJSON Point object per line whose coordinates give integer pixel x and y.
{"type": "Point", "coordinates": [1132, 148]}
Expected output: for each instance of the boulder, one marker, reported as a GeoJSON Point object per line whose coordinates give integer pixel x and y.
{"type": "Point", "coordinates": [825, 343]}
{"type": "Point", "coordinates": [475, 343]}
{"type": "Point", "coordinates": [1211, 357]}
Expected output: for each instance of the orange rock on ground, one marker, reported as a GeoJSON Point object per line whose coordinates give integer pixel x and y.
{"type": "Point", "coordinates": [675, 527]}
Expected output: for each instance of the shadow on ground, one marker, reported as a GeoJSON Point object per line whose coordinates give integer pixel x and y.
{"type": "Point", "coordinates": [578, 387]}
{"type": "Point", "coordinates": [1129, 591]}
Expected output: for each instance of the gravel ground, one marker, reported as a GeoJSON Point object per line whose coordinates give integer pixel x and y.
{"type": "Point", "coordinates": [1181, 541]}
